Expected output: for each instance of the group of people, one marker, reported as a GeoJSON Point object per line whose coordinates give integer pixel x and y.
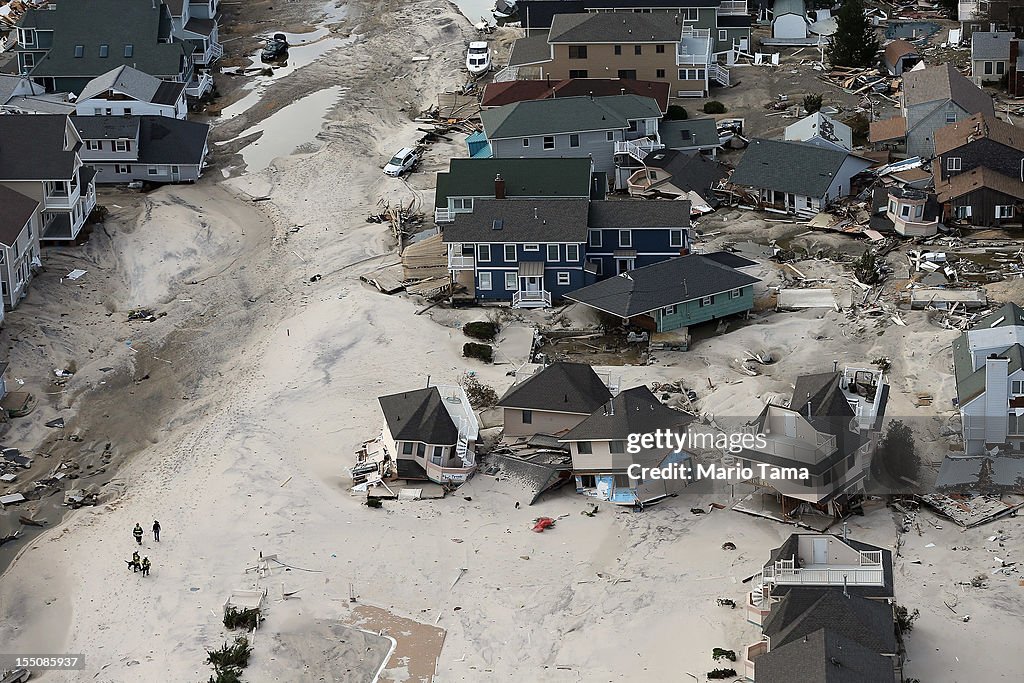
{"type": "Point", "coordinates": [143, 565]}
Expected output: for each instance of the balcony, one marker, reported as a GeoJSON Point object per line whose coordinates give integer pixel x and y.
{"type": "Point", "coordinates": [638, 149]}
{"type": "Point", "coordinates": [461, 261]}
{"type": "Point", "coordinates": [733, 7]}
{"type": "Point", "coordinates": [200, 85]}
{"type": "Point", "coordinates": [694, 47]}
{"type": "Point", "coordinates": [750, 654]}
{"type": "Point", "coordinates": [60, 197]}
{"type": "Point", "coordinates": [442, 475]}
{"type": "Point", "coordinates": [525, 299]}
{"type": "Point", "coordinates": [444, 215]}
{"type": "Point", "coordinates": [868, 573]}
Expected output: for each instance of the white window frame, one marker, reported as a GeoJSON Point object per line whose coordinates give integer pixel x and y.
{"type": "Point", "coordinates": [950, 116]}
{"type": "Point", "coordinates": [1004, 211]}
{"type": "Point", "coordinates": [574, 138]}
{"type": "Point", "coordinates": [510, 257]}
{"type": "Point", "coordinates": [1017, 387]}
{"type": "Point", "coordinates": [723, 34]}
{"type": "Point", "coordinates": [669, 310]}
{"type": "Point", "coordinates": [611, 136]}
{"type": "Point", "coordinates": [121, 146]}
{"type": "Point", "coordinates": [28, 59]}
{"type": "Point", "coordinates": [962, 212]}
{"type": "Point", "coordinates": [628, 241]}
{"type": "Point", "coordinates": [512, 281]}
{"type": "Point", "coordinates": [526, 142]}
{"type": "Point", "coordinates": [572, 252]}
{"type": "Point", "coordinates": [707, 301]}
{"type": "Point", "coordinates": [736, 293]}
{"type": "Point", "coordinates": [485, 281]}
{"type": "Point", "coordinates": [482, 249]}
{"type": "Point", "coordinates": [94, 145]}
{"type": "Point", "coordinates": [564, 278]}
{"type": "Point", "coordinates": [531, 247]}
{"type": "Point", "coordinates": [153, 170]}
{"type": "Point", "coordinates": [548, 142]}
{"type": "Point", "coordinates": [952, 163]}
{"type": "Point", "coordinates": [462, 203]}
{"type": "Point", "coordinates": [557, 253]}
{"type": "Point", "coordinates": [675, 238]}
{"type": "Point", "coordinates": [122, 168]}
{"type": "Point", "coordinates": [596, 244]}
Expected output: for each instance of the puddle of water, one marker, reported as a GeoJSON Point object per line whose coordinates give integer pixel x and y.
{"type": "Point", "coordinates": [288, 128]}
{"type": "Point", "coordinates": [475, 10]}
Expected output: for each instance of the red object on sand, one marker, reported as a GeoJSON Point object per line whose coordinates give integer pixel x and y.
{"type": "Point", "coordinates": [542, 524]}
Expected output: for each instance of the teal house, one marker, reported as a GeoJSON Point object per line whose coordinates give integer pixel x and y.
{"type": "Point", "coordinates": [676, 293]}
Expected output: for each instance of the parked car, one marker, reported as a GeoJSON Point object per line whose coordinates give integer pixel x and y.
{"type": "Point", "coordinates": [275, 49]}
{"type": "Point", "coordinates": [402, 162]}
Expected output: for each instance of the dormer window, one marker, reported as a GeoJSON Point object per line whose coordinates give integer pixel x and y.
{"type": "Point", "coordinates": [28, 38]}
{"type": "Point", "coordinates": [104, 51]}
{"type": "Point", "coordinates": [79, 51]}
{"type": "Point", "coordinates": [129, 50]}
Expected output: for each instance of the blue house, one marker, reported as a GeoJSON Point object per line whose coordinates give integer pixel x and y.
{"type": "Point", "coordinates": [624, 235]}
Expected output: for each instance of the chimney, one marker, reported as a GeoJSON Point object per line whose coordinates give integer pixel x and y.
{"type": "Point", "coordinates": [535, 213]}
{"type": "Point", "coordinates": [622, 91]}
{"type": "Point", "coordinates": [499, 187]}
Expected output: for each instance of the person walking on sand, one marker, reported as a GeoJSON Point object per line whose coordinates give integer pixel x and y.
{"type": "Point", "coordinates": [135, 562]}
{"type": "Point", "coordinates": [156, 530]}
{"type": "Point", "coordinates": [145, 566]}
{"type": "Point", "coordinates": [137, 533]}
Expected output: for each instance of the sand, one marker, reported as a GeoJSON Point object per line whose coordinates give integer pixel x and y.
{"type": "Point", "coordinates": [261, 383]}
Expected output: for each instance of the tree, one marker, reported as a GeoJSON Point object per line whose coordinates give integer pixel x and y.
{"type": "Point", "coordinates": [854, 43]}
{"type": "Point", "coordinates": [812, 103]}
{"type": "Point", "coordinates": [897, 461]}
{"type": "Point", "coordinates": [676, 113]}
{"type": "Point", "coordinates": [866, 269]}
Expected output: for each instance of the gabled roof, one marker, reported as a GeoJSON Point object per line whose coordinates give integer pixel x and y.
{"type": "Point", "coordinates": [106, 127]}
{"type": "Point", "coordinates": [897, 49]}
{"type": "Point", "coordinates": [977, 178]}
{"type": "Point", "coordinates": [701, 132]}
{"type": "Point", "coordinates": [566, 115]}
{"type": "Point", "coordinates": [559, 387]}
{"type": "Point", "coordinates": [823, 656]}
{"type": "Point", "coordinates": [17, 210]}
{"type": "Point", "coordinates": [614, 27]}
{"type": "Point", "coordinates": [820, 400]}
{"type": "Point", "coordinates": [944, 82]}
{"type": "Point", "coordinates": [419, 415]}
{"type": "Point", "coordinates": [970, 383]}
{"type": "Point", "coordinates": [782, 7]}
{"type": "Point", "coordinates": [1007, 315]}
{"type": "Point", "coordinates": [530, 50]}
{"type": "Point", "coordinates": [32, 147]}
{"type": "Point", "coordinates": [614, 214]}
{"type": "Point", "coordinates": [166, 140]}
{"type": "Point", "coordinates": [115, 23]}
{"type": "Point", "coordinates": [808, 170]}
{"type": "Point", "coordinates": [523, 178]}
{"type": "Point", "coordinates": [667, 283]}
{"type": "Point", "coordinates": [134, 83]}
{"type": "Point", "coordinates": [503, 220]}
{"type": "Point", "coordinates": [806, 610]}
{"type": "Point", "coordinates": [789, 550]}
{"type": "Point", "coordinates": [821, 126]}
{"type": "Point", "coordinates": [634, 411]}
{"type": "Point", "coordinates": [689, 171]}
{"type": "Point", "coordinates": [893, 128]}
{"type": "Point", "coordinates": [991, 45]}
{"type": "Point", "coordinates": [976, 127]}
{"type": "Point", "coordinates": [508, 92]}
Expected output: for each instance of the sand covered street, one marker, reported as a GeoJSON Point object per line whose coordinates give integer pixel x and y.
{"type": "Point", "coordinates": [233, 416]}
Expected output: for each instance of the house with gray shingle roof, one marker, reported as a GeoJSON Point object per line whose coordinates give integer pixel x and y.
{"type": "Point", "coordinates": [990, 55]}
{"type": "Point", "coordinates": [795, 177]}
{"type": "Point", "coordinates": [155, 149]}
{"type": "Point", "coordinates": [553, 400]}
{"type": "Point", "coordinates": [195, 22]}
{"type": "Point", "coordinates": [19, 244]}
{"type": "Point", "coordinates": [988, 362]}
{"type": "Point", "coordinates": [125, 91]}
{"type": "Point", "coordinates": [936, 97]}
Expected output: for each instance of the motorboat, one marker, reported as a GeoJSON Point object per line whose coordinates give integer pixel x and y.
{"type": "Point", "coordinates": [478, 58]}
{"type": "Point", "coordinates": [276, 48]}
{"type": "Point", "coordinates": [505, 9]}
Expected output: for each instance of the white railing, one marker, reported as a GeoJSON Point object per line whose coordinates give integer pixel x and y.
{"type": "Point", "coordinates": [509, 73]}
{"type": "Point", "coordinates": [200, 86]}
{"type": "Point", "coordinates": [460, 262]}
{"type": "Point", "coordinates": [868, 573]}
{"type": "Point", "coordinates": [719, 73]}
{"type": "Point", "coordinates": [733, 7]}
{"type": "Point", "coordinates": [637, 149]}
{"type": "Point", "coordinates": [525, 299]}
{"type": "Point", "coordinates": [443, 215]}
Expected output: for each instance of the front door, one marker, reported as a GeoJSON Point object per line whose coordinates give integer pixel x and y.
{"type": "Point", "coordinates": [532, 284]}
{"type": "Point", "coordinates": [820, 551]}
{"type": "Point", "coordinates": [623, 265]}
{"type": "Point", "coordinates": [175, 173]}
{"type": "Point", "coordinates": [628, 73]}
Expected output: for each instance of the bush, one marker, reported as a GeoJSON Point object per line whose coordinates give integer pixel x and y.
{"type": "Point", "coordinates": [229, 675]}
{"type": "Point", "coordinates": [718, 674]}
{"type": "Point", "coordinates": [482, 352]}
{"type": "Point", "coordinates": [676, 113]}
{"type": "Point", "coordinates": [866, 268]}
{"type": "Point", "coordinates": [234, 656]}
{"type": "Point", "coordinates": [905, 619]}
{"type": "Point", "coordinates": [480, 395]}
{"type": "Point", "coordinates": [812, 103]}
{"type": "Point", "coordinates": [714, 107]}
{"type": "Point", "coordinates": [480, 330]}
{"type": "Point", "coordinates": [719, 653]}
{"type": "Point", "coordinates": [241, 618]}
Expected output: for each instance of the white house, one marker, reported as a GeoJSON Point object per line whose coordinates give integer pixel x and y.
{"type": "Point", "coordinates": [789, 19]}
{"type": "Point", "coordinates": [125, 91]}
{"type": "Point", "coordinates": [19, 244]}
{"type": "Point", "coordinates": [821, 130]}
{"type": "Point", "coordinates": [990, 55]}
{"type": "Point", "coordinates": [987, 361]}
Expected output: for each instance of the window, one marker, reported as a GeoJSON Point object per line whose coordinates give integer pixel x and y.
{"type": "Point", "coordinates": [79, 51]}
{"type": "Point", "coordinates": [618, 49]}
{"type": "Point", "coordinates": [152, 170]}
{"type": "Point", "coordinates": [572, 252]}
{"type": "Point", "coordinates": [127, 111]}
{"type": "Point", "coordinates": [28, 59]}
{"type": "Point", "coordinates": [625, 238]}
{"type": "Point", "coordinates": [918, 211]}
{"type": "Point", "coordinates": [950, 117]}
{"type": "Point", "coordinates": [527, 417]}
{"type": "Point", "coordinates": [905, 211]}
{"type": "Point", "coordinates": [638, 49]}
{"type": "Point", "coordinates": [587, 481]}
{"type": "Point", "coordinates": [462, 203]}
{"type": "Point", "coordinates": [552, 252]}
{"type": "Point", "coordinates": [129, 50]}
{"type": "Point", "coordinates": [584, 448]}
{"type": "Point", "coordinates": [485, 282]}
{"type": "Point", "coordinates": [668, 310]}
{"type": "Point", "coordinates": [988, 68]}
{"type": "Point", "coordinates": [691, 74]}
{"type": "Point", "coordinates": [611, 136]}
{"type": "Point", "coordinates": [104, 51]}
{"type": "Point", "coordinates": [675, 238]}
{"type": "Point", "coordinates": [531, 247]}
{"type": "Point", "coordinates": [1017, 387]}
{"type": "Point", "coordinates": [93, 144]}
{"type": "Point", "coordinates": [826, 478]}
{"type": "Point", "coordinates": [659, 73]}
{"type": "Point", "coordinates": [1000, 68]}
{"type": "Point", "coordinates": [577, 52]}
{"type": "Point", "coordinates": [122, 168]}
{"type": "Point", "coordinates": [29, 38]}
{"type": "Point", "coordinates": [595, 264]}
{"type": "Point", "coordinates": [549, 142]}
{"type": "Point", "coordinates": [689, 14]}
{"type": "Point", "coordinates": [659, 49]}
{"type": "Point", "coordinates": [1005, 211]}
{"type": "Point", "coordinates": [953, 164]}
{"type": "Point", "coordinates": [1015, 425]}
{"type": "Point", "coordinates": [723, 35]}
{"type": "Point", "coordinates": [632, 124]}
{"type": "Point", "coordinates": [511, 282]}
{"type": "Point", "coordinates": [510, 253]}
{"type": "Point", "coordinates": [407, 448]}
{"type": "Point", "coordinates": [736, 293]}
{"type": "Point", "coordinates": [574, 140]}
{"type": "Point", "coordinates": [617, 447]}
{"type": "Point", "coordinates": [963, 212]}
{"type": "Point", "coordinates": [595, 238]}
{"type": "Point", "coordinates": [564, 279]}
{"type": "Point", "coordinates": [97, 111]}
{"type": "Point", "coordinates": [707, 301]}
{"type": "Point", "coordinates": [437, 455]}
{"type": "Point", "coordinates": [851, 461]}
{"type": "Point", "coordinates": [121, 145]}
{"type": "Point", "coordinates": [483, 252]}
{"type": "Point", "coordinates": [578, 73]}
{"type": "Point", "coordinates": [421, 450]}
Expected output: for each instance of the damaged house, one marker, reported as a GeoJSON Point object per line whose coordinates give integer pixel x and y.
{"type": "Point", "coordinates": [828, 429]}
{"type": "Point", "coordinates": [157, 149]}
{"type": "Point", "coordinates": [988, 361]}
{"type": "Point", "coordinates": [598, 445]}
{"type": "Point", "coordinates": [669, 174]}
{"type": "Point", "coordinates": [553, 400]}
{"type": "Point", "coordinates": [821, 130]}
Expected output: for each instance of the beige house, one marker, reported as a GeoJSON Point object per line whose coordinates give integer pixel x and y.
{"type": "Point", "coordinates": [553, 400]}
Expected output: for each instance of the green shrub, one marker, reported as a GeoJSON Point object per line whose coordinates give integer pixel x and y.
{"type": "Point", "coordinates": [714, 107]}
{"type": "Point", "coordinates": [812, 102]}
{"type": "Point", "coordinates": [480, 330]}
{"type": "Point", "coordinates": [234, 656]}
{"type": "Point", "coordinates": [241, 618]}
{"type": "Point", "coordinates": [718, 674]}
{"type": "Point", "coordinates": [676, 113]}
{"type": "Point", "coordinates": [720, 653]}
{"type": "Point", "coordinates": [228, 675]}
{"type": "Point", "coordinates": [482, 352]}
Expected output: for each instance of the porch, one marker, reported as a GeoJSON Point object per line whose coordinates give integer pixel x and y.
{"type": "Point", "coordinates": [200, 84]}
{"type": "Point", "coordinates": [750, 655]}
{"type": "Point", "coordinates": [772, 505]}
{"type": "Point", "coordinates": [531, 292]}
